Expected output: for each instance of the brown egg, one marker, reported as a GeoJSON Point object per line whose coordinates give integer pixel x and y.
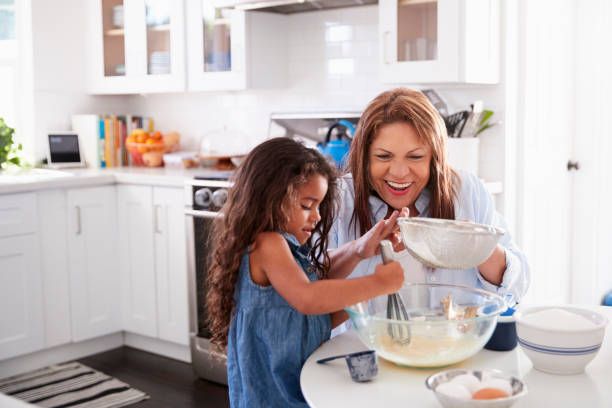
{"type": "Point", "coordinates": [489, 393]}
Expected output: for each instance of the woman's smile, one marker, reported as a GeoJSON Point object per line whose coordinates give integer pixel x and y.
{"type": "Point", "coordinates": [398, 188]}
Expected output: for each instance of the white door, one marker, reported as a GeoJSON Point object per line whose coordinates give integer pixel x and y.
{"type": "Point", "coordinates": [21, 311]}
{"type": "Point", "coordinates": [592, 220]}
{"type": "Point", "coordinates": [171, 264]}
{"type": "Point", "coordinates": [93, 266]}
{"type": "Point", "coordinates": [137, 259]}
{"type": "Point", "coordinates": [545, 123]}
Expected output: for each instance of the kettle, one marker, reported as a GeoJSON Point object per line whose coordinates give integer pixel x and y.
{"type": "Point", "coordinates": [338, 149]}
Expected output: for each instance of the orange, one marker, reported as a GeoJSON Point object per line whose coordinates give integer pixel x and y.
{"type": "Point", "coordinates": [141, 137]}
{"type": "Point", "coordinates": [156, 134]}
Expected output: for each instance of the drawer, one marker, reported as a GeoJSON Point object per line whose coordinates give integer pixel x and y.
{"type": "Point", "coordinates": [18, 214]}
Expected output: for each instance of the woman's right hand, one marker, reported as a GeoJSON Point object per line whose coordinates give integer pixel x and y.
{"type": "Point", "coordinates": [390, 276]}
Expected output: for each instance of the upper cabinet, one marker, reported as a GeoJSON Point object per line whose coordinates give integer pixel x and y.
{"type": "Point", "coordinates": [439, 41]}
{"type": "Point", "coordinates": [232, 49]}
{"type": "Point", "coordinates": [216, 47]}
{"type": "Point", "coordinates": [138, 46]}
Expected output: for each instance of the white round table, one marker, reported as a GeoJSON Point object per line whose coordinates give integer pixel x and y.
{"type": "Point", "coordinates": [330, 384]}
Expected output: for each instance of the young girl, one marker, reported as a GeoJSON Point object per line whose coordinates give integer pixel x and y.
{"type": "Point", "coordinates": [266, 304]}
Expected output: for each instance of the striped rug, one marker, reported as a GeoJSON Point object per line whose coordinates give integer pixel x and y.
{"type": "Point", "coordinates": [70, 385]}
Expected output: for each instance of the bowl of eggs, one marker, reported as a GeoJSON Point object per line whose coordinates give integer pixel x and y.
{"type": "Point", "coordinates": [463, 388]}
{"type": "Point", "coordinates": [560, 339]}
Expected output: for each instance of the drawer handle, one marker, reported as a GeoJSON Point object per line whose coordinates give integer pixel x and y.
{"type": "Point", "coordinates": [78, 214]}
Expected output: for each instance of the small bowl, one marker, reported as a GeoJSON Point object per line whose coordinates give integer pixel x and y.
{"type": "Point", "coordinates": [557, 348]}
{"type": "Point", "coordinates": [519, 389]}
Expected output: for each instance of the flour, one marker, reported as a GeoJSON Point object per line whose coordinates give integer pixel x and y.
{"type": "Point", "coordinates": [555, 319]}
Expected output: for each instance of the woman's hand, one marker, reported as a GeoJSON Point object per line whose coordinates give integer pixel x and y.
{"type": "Point", "coordinates": [369, 244]}
{"type": "Point", "coordinates": [494, 267]}
{"type": "Point", "coordinates": [396, 240]}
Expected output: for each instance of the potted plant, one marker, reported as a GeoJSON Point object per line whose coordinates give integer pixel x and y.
{"type": "Point", "coordinates": [8, 148]}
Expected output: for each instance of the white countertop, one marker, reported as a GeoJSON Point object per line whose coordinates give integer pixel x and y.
{"type": "Point", "coordinates": [15, 181]}
{"type": "Point", "coordinates": [330, 384]}
{"type": "Point", "coordinates": [39, 179]}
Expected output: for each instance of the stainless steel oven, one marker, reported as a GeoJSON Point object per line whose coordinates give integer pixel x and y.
{"type": "Point", "coordinates": [205, 195]}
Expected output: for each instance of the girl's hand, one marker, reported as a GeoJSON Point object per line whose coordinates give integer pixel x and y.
{"type": "Point", "coordinates": [390, 277]}
{"type": "Point", "coordinates": [369, 244]}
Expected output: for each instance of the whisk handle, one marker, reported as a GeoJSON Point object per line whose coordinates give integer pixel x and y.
{"type": "Point", "coordinates": [386, 251]}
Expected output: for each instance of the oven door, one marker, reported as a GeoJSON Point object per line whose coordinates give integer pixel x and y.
{"type": "Point", "coordinates": [206, 361]}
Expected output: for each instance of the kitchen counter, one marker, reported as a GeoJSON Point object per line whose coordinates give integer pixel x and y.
{"type": "Point", "coordinates": [330, 384]}
{"type": "Point", "coordinates": [40, 179]}
{"type": "Point", "coordinates": [15, 181]}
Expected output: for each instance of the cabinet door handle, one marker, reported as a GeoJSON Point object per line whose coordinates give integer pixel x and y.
{"type": "Point", "coordinates": [386, 47]}
{"type": "Point", "coordinates": [156, 218]}
{"type": "Point", "coordinates": [78, 214]}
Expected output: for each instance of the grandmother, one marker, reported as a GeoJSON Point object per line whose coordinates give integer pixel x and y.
{"type": "Point", "coordinates": [398, 166]}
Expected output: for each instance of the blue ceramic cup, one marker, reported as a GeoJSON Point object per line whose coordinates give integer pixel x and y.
{"type": "Point", "coordinates": [504, 337]}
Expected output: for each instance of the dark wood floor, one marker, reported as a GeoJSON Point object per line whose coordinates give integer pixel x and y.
{"type": "Point", "coordinates": [169, 383]}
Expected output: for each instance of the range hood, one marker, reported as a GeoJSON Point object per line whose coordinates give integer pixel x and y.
{"type": "Point", "coordinates": [290, 6]}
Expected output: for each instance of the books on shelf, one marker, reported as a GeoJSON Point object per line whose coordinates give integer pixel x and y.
{"type": "Point", "coordinates": [102, 137]}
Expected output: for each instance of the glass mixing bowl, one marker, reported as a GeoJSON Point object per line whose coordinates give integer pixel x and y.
{"type": "Point", "coordinates": [434, 340]}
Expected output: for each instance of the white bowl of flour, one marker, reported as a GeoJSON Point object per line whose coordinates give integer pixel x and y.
{"type": "Point", "coordinates": [560, 339]}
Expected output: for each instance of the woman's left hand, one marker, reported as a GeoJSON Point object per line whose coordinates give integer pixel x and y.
{"type": "Point", "coordinates": [396, 235]}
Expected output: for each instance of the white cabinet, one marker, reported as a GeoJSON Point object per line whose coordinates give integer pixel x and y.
{"type": "Point", "coordinates": [171, 265]}
{"type": "Point", "coordinates": [137, 46]}
{"type": "Point", "coordinates": [136, 259]}
{"type": "Point", "coordinates": [21, 320]}
{"type": "Point", "coordinates": [53, 224]}
{"type": "Point", "coordinates": [232, 49]}
{"type": "Point", "coordinates": [152, 256]}
{"type": "Point", "coordinates": [439, 41]}
{"type": "Point", "coordinates": [92, 262]}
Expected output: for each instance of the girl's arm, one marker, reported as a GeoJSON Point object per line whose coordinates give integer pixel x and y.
{"type": "Point", "coordinates": [337, 318]}
{"type": "Point", "coordinates": [272, 262]}
{"type": "Point", "coordinates": [345, 258]}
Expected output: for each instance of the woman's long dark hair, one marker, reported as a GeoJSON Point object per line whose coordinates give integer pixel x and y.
{"type": "Point", "coordinates": [407, 106]}
{"type": "Point", "coordinates": [264, 190]}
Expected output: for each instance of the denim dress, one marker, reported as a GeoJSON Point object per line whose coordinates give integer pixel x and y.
{"type": "Point", "coordinates": [269, 341]}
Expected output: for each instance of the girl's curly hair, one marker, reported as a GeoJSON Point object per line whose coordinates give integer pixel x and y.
{"type": "Point", "coordinates": [264, 190]}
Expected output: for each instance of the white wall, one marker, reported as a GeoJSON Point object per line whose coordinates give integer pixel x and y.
{"type": "Point", "coordinates": [57, 81]}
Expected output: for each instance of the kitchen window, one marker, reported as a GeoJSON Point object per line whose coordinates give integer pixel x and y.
{"type": "Point", "coordinates": [8, 62]}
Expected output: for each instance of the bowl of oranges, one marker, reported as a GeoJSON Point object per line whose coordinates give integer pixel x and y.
{"type": "Point", "coordinates": [140, 142]}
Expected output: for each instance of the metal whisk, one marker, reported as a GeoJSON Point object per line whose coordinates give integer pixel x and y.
{"type": "Point", "coordinates": [396, 310]}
